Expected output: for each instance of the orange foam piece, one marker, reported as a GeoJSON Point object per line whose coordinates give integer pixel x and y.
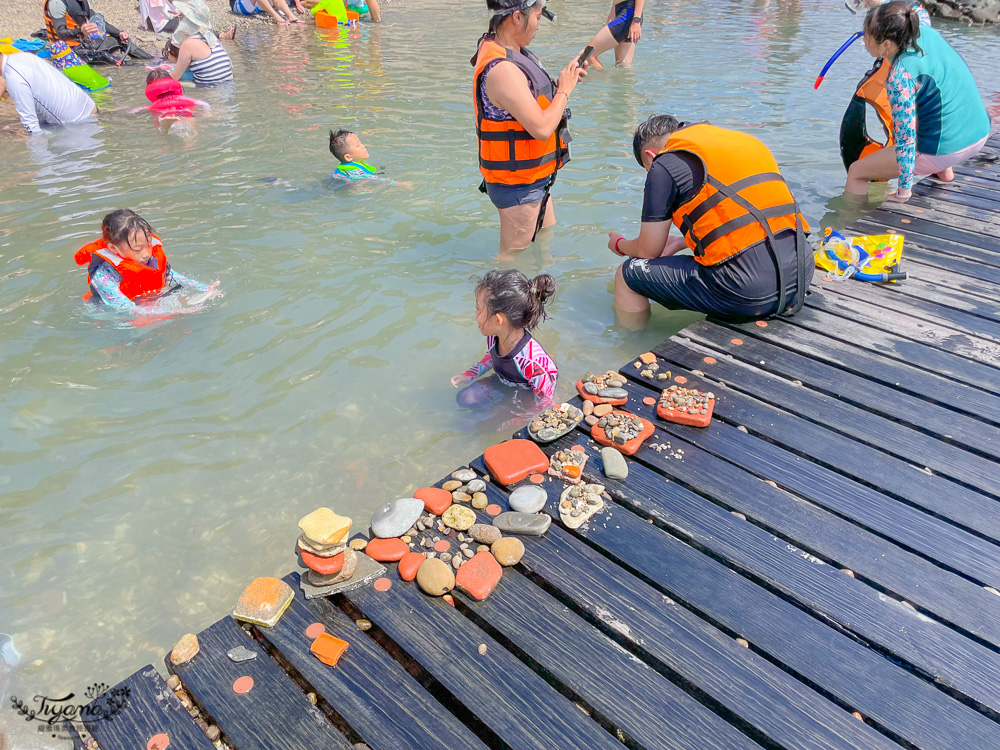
{"type": "Point", "coordinates": [693, 420]}
{"type": "Point", "coordinates": [514, 460]}
{"type": "Point", "coordinates": [632, 445]}
{"type": "Point", "coordinates": [597, 399]}
{"type": "Point", "coordinates": [436, 500]}
{"type": "Point", "coordinates": [328, 649]}
{"type": "Point", "coordinates": [647, 358]}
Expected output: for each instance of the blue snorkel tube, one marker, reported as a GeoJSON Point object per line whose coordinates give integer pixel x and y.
{"type": "Point", "coordinates": [847, 270]}
{"type": "Point", "coordinates": [833, 58]}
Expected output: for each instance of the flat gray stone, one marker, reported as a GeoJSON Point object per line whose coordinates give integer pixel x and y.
{"type": "Point", "coordinates": [484, 533]}
{"type": "Point", "coordinates": [395, 518]}
{"type": "Point", "coordinates": [463, 475]}
{"type": "Point", "coordinates": [528, 499]}
{"type": "Point", "coordinates": [367, 571]}
{"type": "Point", "coordinates": [532, 524]}
{"type": "Point", "coordinates": [590, 388]}
{"type": "Point", "coordinates": [476, 485]}
{"type": "Point", "coordinates": [615, 465]}
{"type": "Point", "coordinates": [612, 393]}
{"type": "Point", "coordinates": [240, 654]}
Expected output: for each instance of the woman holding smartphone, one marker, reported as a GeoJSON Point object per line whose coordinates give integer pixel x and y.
{"type": "Point", "coordinates": [521, 116]}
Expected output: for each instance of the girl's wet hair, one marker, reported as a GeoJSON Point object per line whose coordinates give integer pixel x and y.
{"type": "Point", "coordinates": [657, 126]}
{"type": "Point", "coordinates": [171, 50]}
{"type": "Point", "coordinates": [119, 227]}
{"type": "Point", "coordinates": [156, 75]}
{"type": "Point", "coordinates": [513, 294]}
{"type": "Point", "coordinates": [897, 22]}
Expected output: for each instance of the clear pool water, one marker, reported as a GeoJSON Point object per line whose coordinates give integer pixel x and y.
{"type": "Point", "coordinates": [148, 473]}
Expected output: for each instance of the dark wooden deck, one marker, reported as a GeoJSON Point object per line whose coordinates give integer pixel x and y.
{"type": "Point", "coordinates": [817, 570]}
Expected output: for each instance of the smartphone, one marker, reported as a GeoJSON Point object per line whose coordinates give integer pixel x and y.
{"type": "Point", "coordinates": [585, 55]}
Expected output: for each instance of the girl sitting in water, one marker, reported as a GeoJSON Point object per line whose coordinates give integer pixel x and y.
{"type": "Point", "coordinates": [508, 306]}
{"type": "Point", "coordinates": [128, 265]}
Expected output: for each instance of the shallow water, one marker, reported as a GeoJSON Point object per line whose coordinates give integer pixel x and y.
{"type": "Point", "coordinates": [148, 473]}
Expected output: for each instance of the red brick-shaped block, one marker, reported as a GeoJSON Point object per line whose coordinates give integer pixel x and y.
{"type": "Point", "coordinates": [478, 576]}
{"type": "Point", "coordinates": [386, 550]}
{"type": "Point", "coordinates": [514, 460]}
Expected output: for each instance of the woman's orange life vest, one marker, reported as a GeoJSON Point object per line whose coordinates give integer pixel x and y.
{"type": "Point", "coordinates": [137, 280]}
{"type": "Point", "coordinates": [50, 27]}
{"type": "Point", "coordinates": [508, 154]}
{"type": "Point", "coordinates": [743, 190]}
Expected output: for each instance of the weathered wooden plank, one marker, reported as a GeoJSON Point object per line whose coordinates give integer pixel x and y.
{"type": "Point", "coordinates": [945, 296]}
{"type": "Point", "coordinates": [922, 329]}
{"type": "Point", "coordinates": [959, 195]}
{"type": "Point", "coordinates": [891, 345]}
{"type": "Point", "coordinates": [926, 270]}
{"type": "Point", "coordinates": [922, 205]}
{"type": "Point", "coordinates": [584, 663]}
{"type": "Point", "coordinates": [971, 221]}
{"type": "Point", "coordinates": [252, 719]}
{"type": "Point", "coordinates": [922, 581]}
{"type": "Point", "coordinates": [846, 669]}
{"type": "Point", "coordinates": [943, 424]}
{"type": "Point", "coordinates": [373, 694]}
{"type": "Point", "coordinates": [875, 225]}
{"type": "Point", "coordinates": [518, 705]}
{"type": "Point", "coordinates": [867, 363]}
{"type": "Point", "coordinates": [151, 709]}
{"type": "Point", "coordinates": [856, 607]}
{"type": "Point", "coordinates": [920, 310]}
{"type": "Point", "coordinates": [961, 231]}
{"type": "Point", "coordinates": [853, 422]}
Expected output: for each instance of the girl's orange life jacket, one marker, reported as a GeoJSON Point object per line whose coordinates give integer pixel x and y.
{"type": "Point", "coordinates": [743, 189]}
{"type": "Point", "coordinates": [137, 279]}
{"type": "Point", "coordinates": [508, 154]}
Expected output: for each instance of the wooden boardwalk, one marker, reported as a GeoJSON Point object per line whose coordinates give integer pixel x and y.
{"type": "Point", "coordinates": [818, 569]}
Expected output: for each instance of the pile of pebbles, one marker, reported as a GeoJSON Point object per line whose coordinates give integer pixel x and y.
{"type": "Point", "coordinates": [580, 502]}
{"type": "Point", "coordinates": [686, 400]}
{"type": "Point", "coordinates": [465, 487]}
{"type": "Point", "coordinates": [567, 465]}
{"type": "Point", "coordinates": [620, 427]}
{"type": "Point", "coordinates": [554, 422]}
{"type": "Point", "coordinates": [609, 385]}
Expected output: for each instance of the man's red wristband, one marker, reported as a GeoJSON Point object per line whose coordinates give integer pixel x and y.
{"type": "Point", "coordinates": [617, 251]}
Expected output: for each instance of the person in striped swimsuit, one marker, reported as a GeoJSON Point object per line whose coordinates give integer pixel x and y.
{"type": "Point", "coordinates": [210, 65]}
{"type": "Point", "coordinates": [508, 307]}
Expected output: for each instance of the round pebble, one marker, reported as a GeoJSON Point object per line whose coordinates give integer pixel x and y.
{"type": "Point", "coordinates": [158, 742]}
{"type": "Point", "coordinates": [480, 501]}
{"type": "Point", "coordinates": [482, 649]}
{"type": "Point", "coordinates": [435, 577]}
{"type": "Point", "coordinates": [358, 544]}
{"type": "Point", "coordinates": [493, 509]}
{"type": "Point", "coordinates": [243, 685]}
{"type": "Point", "coordinates": [508, 551]}
{"type": "Point", "coordinates": [459, 517]}
{"type": "Point", "coordinates": [363, 625]}
{"type": "Point", "coordinates": [382, 584]}
{"type": "Point", "coordinates": [442, 546]}
{"type": "Point", "coordinates": [315, 630]}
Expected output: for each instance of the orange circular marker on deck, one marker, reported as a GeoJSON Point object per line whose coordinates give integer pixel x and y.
{"type": "Point", "coordinates": [382, 584]}
{"type": "Point", "coordinates": [537, 478]}
{"type": "Point", "coordinates": [905, 221]}
{"type": "Point", "coordinates": [736, 342]}
{"type": "Point", "coordinates": [827, 278]}
{"type": "Point", "coordinates": [681, 379]}
{"type": "Point", "coordinates": [709, 360]}
{"type": "Point", "coordinates": [442, 546]}
{"type": "Point", "coordinates": [493, 509]}
{"type": "Point", "coordinates": [158, 742]}
{"type": "Point", "coordinates": [649, 401]}
{"type": "Point", "coordinates": [578, 448]}
{"type": "Point", "coordinates": [315, 630]}
{"type": "Point", "coordinates": [243, 685]}
{"type": "Point", "coordinates": [761, 324]}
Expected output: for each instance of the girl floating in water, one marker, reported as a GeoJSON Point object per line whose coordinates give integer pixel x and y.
{"type": "Point", "coordinates": [127, 267]}
{"type": "Point", "coordinates": [508, 306]}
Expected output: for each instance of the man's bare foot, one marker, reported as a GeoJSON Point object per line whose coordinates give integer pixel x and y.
{"type": "Point", "coordinates": [947, 175]}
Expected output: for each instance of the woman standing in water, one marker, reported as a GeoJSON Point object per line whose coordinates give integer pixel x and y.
{"type": "Point", "coordinates": [622, 32]}
{"type": "Point", "coordinates": [938, 116]}
{"type": "Point", "coordinates": [520, 121]}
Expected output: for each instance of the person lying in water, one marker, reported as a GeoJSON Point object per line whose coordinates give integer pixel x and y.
{"type": "Point", "coordinates": [127, 270]}
{"type": "Point", "coordinates": [351, 153]}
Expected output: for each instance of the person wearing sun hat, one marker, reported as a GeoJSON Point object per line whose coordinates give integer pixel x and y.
{"type": "Point", "coordinates": [521, 116]}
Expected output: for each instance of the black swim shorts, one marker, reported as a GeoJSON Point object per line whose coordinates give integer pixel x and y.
{"type": "Point", "coordinates": [622, 21]}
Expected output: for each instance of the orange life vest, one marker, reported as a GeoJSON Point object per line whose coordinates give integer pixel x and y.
{"type": "Point", "coordinates": [137, 280]}
{"type": "Point", "coordinates": [743, 190]}
{"type": "Point", "coordinates": [855, 142]}
{"type": "Point", "coordinates": [508, 154]}
{"type": "Point", "coordinates": [50, 27]}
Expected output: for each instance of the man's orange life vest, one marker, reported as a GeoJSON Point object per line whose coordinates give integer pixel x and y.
{"type": "Point", "coordinates": [508, 154]}
{"type": "Point", "coordinates": [50, 27]}
{"type": "Point", "coordinates": [137, 280]}
{"type": "Point", "coordinates": [744, 199]}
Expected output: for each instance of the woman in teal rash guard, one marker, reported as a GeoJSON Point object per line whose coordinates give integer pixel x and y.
{"type": "Point", "coordinates": [939, 119]}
